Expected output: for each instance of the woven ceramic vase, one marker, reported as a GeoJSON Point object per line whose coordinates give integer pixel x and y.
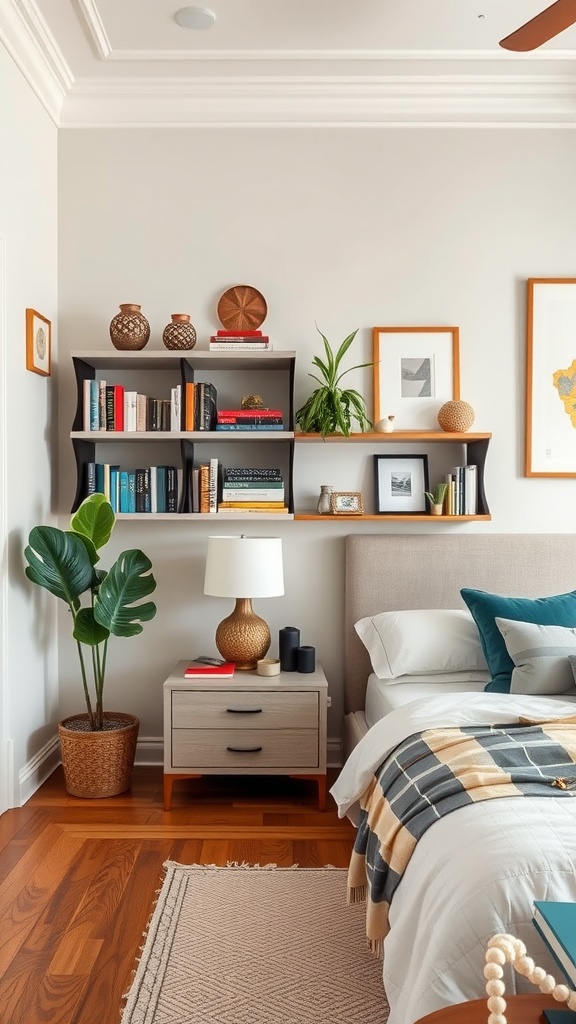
{"type": "Point", "coordinates": [456, 417]}
{"type": "Point", "coordinates": [179, 333]}
{"type": "Point", "coordinates": [129, 329]}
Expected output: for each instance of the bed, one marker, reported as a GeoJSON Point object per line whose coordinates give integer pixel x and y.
{"type": "Point", "coordinates": [475, 871]}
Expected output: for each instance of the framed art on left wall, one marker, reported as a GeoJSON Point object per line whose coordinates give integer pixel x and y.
{"type": "Point", "coordinates": [38, 342]}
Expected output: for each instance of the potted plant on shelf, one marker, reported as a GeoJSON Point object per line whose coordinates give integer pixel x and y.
{"type": "Point", "coordinates": [330, 408]}
{"type": "Point", "coordinates": [98, 747]}
{"type": "Point", "coordinates": [436, 498]}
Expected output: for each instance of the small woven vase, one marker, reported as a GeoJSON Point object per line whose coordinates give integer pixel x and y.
{"type": "Point", "coordinates": [456, 417]}
{"type": "Point", "coordinates": [179, 333]}
{"type": "Point", "coordinates": [129, 329]}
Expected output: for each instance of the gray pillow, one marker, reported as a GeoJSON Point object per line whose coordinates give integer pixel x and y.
{"type": "Point", "coordinates": [540, 655]}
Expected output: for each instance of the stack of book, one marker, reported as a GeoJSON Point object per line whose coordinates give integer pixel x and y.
{"type": "Point", "coordinates": [556, 923]}
{"type": "Point", "coordinates": [235, 341]}
{"type": "Point", "coordinates": [253, 490]}
{"type": "Point", "coordinates": [249, 419]}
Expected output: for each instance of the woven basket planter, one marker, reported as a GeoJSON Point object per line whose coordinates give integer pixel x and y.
{"type": "Point", "coordinates": [98, 764]}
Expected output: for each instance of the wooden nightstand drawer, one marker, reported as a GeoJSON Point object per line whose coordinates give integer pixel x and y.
{"type": "Point", "coordinates": [247, 709]}
{"type": "Point", "coordinates": [254, 748]}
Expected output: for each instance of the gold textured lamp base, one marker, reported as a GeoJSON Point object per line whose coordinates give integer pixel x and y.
{"type": "Point", "coordinates": [243, 636]}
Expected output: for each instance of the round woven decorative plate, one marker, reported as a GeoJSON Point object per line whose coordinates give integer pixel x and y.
{"type": "Point", "coordinates": [242, 308]}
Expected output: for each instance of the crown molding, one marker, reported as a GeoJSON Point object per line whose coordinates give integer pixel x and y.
{"type": "Point", "coordinates": [412, 87]}
{"type": "Point", "coordinates": [374, 100]}
{"type": "Point", "coordinates": [31, 45]}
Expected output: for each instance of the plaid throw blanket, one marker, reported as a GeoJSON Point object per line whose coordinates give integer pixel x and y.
{"type": "Point", "coordinates": [436, 771]}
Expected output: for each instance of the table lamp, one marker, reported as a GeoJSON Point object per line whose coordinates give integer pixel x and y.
{"type": "Point", "coordinates": [243, 568]}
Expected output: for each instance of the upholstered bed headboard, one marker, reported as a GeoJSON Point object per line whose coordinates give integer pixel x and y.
{"type": "Point", "coordinates": [387, 572]}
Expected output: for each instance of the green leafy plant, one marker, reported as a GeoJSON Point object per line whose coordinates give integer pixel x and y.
{"type": "Point", "coordinates": [65, 563]}
{"type": "Point", "coordinates": [436, 497]}
{"type": "Point", "coordinates": [331, 409]}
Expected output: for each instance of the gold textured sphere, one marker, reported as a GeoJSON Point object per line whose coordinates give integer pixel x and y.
{"type": "Point", "coordinates": [456, 417]}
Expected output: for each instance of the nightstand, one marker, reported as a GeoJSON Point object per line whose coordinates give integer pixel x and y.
{"type": "Point", "coordinates": [247, 725]}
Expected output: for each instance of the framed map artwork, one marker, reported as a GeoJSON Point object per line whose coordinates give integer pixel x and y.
{"type": "Point", "coordinates": [550, 449]}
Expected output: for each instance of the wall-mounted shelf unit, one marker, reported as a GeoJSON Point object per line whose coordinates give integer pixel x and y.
{"type": "Point", "coordinates": [474, 444]}
{"type": "Point", "coordinates": [234, 374]}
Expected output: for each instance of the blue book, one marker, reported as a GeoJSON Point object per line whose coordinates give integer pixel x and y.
{"type": "Point", "coordinates": [100, 478]}
{"type": "Point", "coordinates": [556, 923]}
{"type": "Point", "coordinates": [115, 488]}
{"type": "Point", "coordinates": [124, 495]}
{"type": "Point", "coordinates": [131, 492]}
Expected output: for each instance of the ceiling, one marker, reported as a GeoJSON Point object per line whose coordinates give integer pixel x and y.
{"type": "Point", "coordinates": [369, 62]}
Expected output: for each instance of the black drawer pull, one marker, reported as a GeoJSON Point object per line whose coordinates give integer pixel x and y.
{"type": "Point", "coordinates": [244, 711]}
{"type": "Point", "coordinates": [244, 750]}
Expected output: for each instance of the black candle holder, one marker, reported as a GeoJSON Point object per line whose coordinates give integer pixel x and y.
{"type": "Point", "coordinates": [288, 643]}
{"type": "Point", "coordinates": [306, 659]}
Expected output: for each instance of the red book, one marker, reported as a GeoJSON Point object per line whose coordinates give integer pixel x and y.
{"type": "Point", "coordinates": [118, 407]}
{"type": "Point", "coordinates": [209, 669]}
{"type": "Point", "coordinates": [239, 334]}
{"type": "Point", "coordinates": [239, 413]}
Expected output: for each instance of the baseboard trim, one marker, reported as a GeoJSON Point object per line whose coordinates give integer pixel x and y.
{"type": "Point", "coordinates": [38, 769]}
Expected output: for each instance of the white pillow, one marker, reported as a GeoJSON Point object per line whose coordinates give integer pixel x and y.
{"type": "Point", "coordinates": [540, 655]}
{"type": "Point", "coordinates": [424, 642]}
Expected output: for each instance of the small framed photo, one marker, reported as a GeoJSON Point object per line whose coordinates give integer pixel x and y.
{"type": "Point", "coordinates": [416, 370]}
{"type": "Point", "coordinates": [38, 342]}
{"type": "Point", "coordinates": [400, 484]}
{"type": "Point", "coordinates": [346, 503]}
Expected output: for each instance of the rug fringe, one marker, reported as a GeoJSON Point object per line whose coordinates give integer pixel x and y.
{"type": "Point", "coordinates": [357, 894]}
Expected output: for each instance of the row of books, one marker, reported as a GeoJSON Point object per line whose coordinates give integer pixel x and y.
{"type": "Point", "coordinates": [461, 497]}
{"type": "Point", "coordinates": [146, 489]}
{"type": "Point", "coordinates": [113, 407]}
{"type": "Point", "coordinates": [110, 407]}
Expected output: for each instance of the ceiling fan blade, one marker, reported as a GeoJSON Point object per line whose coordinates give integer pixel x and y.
{"type": "Point", "coordinates": [543, 27]}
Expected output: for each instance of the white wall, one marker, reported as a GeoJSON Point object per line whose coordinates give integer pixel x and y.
{"type": "Point", "coordinates": [28, 232]}
{"type": "Point", "coordinates": [348, 227]}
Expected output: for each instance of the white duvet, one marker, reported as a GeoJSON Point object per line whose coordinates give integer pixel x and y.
{"type": "Point", "coordinates": [474, 872]}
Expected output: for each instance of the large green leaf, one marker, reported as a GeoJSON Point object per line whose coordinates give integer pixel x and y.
{"type": "Point", "coordinates": [87, 630]}
{"type": "Point", "coordinates": [59, 562]}
{"type": "Point", "coordinates": [114, 604]}
{"type": "Point", "coordinates": [94, 520]}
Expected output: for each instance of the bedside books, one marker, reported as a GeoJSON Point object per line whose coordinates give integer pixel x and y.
{"type": "Point", "coordinates": [556, 923]}
{"type": "Point", "coordinates": [209, 668]}
{"type": "Point", "coordinates": [559, 1016]}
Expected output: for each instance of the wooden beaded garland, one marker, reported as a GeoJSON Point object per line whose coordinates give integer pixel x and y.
{"type": "Point", "coordinates": [502, 948]}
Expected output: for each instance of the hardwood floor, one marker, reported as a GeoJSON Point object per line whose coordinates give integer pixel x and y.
{"type": "Point", "coordinates": [78, 877]}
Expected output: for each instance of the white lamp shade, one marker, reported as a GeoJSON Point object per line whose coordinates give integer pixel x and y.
{"type": "Point", "coordinates": [244, 567]}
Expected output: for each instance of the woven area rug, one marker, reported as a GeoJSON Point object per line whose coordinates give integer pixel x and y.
{"type": "Point", "coordinates": [249, 945]}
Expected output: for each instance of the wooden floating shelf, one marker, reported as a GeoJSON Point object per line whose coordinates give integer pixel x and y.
{"type": "Point", "coordinates": [394, 436]}
{"type": "Point", "coordinates": [385, 517]}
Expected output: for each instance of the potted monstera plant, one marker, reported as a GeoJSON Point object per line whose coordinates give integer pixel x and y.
{"type": "Point", "coordinates": [97, 746]}
{"type": "Point", "coordinates": [331, 408]}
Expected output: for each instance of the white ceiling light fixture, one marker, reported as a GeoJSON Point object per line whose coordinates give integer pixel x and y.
{"type": "Point", "coordinates": [198, 18]}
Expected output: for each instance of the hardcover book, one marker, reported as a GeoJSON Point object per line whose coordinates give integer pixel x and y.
{"type": "Point", "coordinates": [209, 668]}
{"type": "Point", "coordinates": [559, 1016]}
{"type": "Point", "coordinates": [556, 923]}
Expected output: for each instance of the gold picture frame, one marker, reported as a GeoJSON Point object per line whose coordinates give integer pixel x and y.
{"type": "Point", "coordinates": [38, 343]}
{"type": "Point", "coordinates": [346, 503]}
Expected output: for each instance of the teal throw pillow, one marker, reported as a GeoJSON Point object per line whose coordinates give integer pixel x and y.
{"type": "Point", "coordinates": [559, 610]}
